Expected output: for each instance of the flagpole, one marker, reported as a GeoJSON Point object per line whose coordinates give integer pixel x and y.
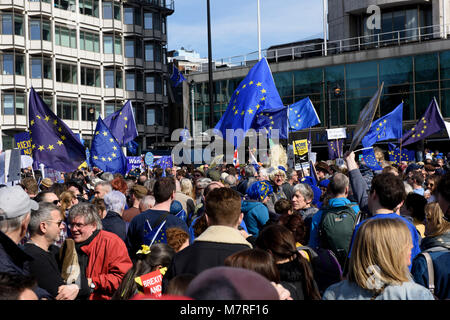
{"type": "Point", "coordinates": [259, 31]}
{"type": "Point", "coordinates": [325, 33]}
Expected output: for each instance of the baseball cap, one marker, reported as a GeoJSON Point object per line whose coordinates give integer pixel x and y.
{"type": "Point", "coordinates": [15, 202]}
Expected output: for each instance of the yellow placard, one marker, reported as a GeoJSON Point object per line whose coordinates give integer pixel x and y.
{"type": "Point", "coordinates": [300, 147]}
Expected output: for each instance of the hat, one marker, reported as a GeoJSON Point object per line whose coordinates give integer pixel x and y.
{"type": "Point", "coordinates": [15, 202]}
{"type": "Point", "coordinates": [259, 190]}
{"type": "Point", "coordinates": [139, 191]}
{"type": "Point", "coordinates": [47, 182]}
{"type": "Point", "coordinates": [412, 167]}
{"type": "Point", "coordinates": [247, 284]}
{"type": "Point", "coordinates": [324, 183]}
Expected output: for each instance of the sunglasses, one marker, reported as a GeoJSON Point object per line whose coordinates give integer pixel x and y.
{"type": "Point", "coordinates": [55, 202]}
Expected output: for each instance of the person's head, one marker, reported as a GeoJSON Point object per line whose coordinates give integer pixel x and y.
{"type": "Point", "coordinates": [435, 224]}
{"type": "Point", "coordinates": [200, 185]}
{"type": "Point", "coordinates": [67, 200]}
{"type": "Point", "coordinates": [339, 185]}
{"type": "Point", "coordinates": [283, 207]}
{"type": "Point", "coordinates": [292, 176]}
{"type": "Point", "coordinates": [15, 209]}
{"type": "Point", "coordinates": [430, 169]}
{"type": "Point", "coordinates": [263, 174]}
{"type": "Point", "coordinates": [142, 178]}
{"type": "Point", "coordinates": [197, 174]}
{"type": "Point", "coordinates": [17, 287]}
{"type": "Point", "coordinates": [416, 179]}
{"type": "Point", "coordinates": [177, 238]}
{"type": "Point", "coordinates": [230, 180]}
{"type": "Point", "coordinates": [211, 186]}
{"type": "Point", "coordinates": [296, 225]}
{"type": "Point", "coordinates": [107, 176]}
{"type": "Point", "coordinates": [47, 196]}
{"type": "Point", "coordinates": [381, 254]}
{"type": "Point", "coordinates": [150, 184]}
{"type": "Point", "coordinates": [443, 194]}
{"type": "Point", "coordinates": [302, 197]}
{"type": "Point", "coordinates": [101, 188]}
{"type": "Point", "coordinates": [164, 189]}
{"type": "Point", "coordinates": [387, 191]}
{"type": "Point", "coordinates": [223, 207]}
{"type": "Point", "coordinates": [101, 207]}
{"type": "Point", "coordinates": [259, 191]}
{"type": "Point", "coordinates": [146, 203]}
{"type": "Point", "coordinates": [415, 204]}
{"type": "Point", "coordinates": [137, 192]}
{"type": "Point", "coordinates": [431, 182]}
{"type": "Point", "coordinates": [115, 201]}
{"type": "Point", "coordinates": [178, 285]}
{"type": "Point", "coordinates": [83, 221]}
{"type": "Point", "coordinates": [46, 223]}
{"type": "Point", "coordinates": [186, 186]}
{"type": "Point", "coordinates": [249, 171]}
{"type": "Point", "coordinates": [278, 177]}
{"type": "Point", "coordinates": [439, 162]}
{"type": "Point", "coordinates": [390, 169]}
{"type": "Point", "coordinates": [46, 184]}
{"type": "Point", "coordinates": [256, 260]}
{"type": "Point", "coordinates": [119, 184]}
{"type": "Point", "coordinates": [322, 170]}
{"type": "Point", "coordinates": [30, 186]}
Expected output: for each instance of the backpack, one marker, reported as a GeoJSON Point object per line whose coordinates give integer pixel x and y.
{"type": "Point", "coordinates": [336, 230]}
{"type": "Point", "coordinates": [430, 266]}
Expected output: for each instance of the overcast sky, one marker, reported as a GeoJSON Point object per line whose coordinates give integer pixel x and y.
{"type": "Point", "coordinates": [234, 25]}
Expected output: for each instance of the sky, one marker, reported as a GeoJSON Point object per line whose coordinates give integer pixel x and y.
{"type": "Point", "coordinates": [234, 25]}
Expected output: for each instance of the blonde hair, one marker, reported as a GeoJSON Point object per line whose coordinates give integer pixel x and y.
{"type": "Point", "coordinates": [435, 222]}
{"type": "Point", "coordinates": [186, 187]}
{"type": "Point", "coordinates": [380, 253]}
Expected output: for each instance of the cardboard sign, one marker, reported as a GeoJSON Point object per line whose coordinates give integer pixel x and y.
{"type": "Point", "coordinates": [133, 163]}
{"type": "Point", "coordinates": [23, 143]}
{"type": "Point", "coordinates": [151, 283]}
{"type": "Point", "coordinates": [338, 133]}
{"type": "Point", "coordinates": [300, 147]}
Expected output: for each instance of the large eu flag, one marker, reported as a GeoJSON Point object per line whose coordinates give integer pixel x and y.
{"type": "Point", "coordinates": [255, 93]}
{"type": "Point", "coordinates": [335, 149]}
{"type": "Point", "coordinates": [302, 115]}
{"type": "Point", "coordinates": [273, 119]}
{"type": "Point", "coordinates": [106, 153]}
{"type": "Point", "coordinates": [430, 123]}
{"type": "Point", "coordinates": [52, 142]}
{"type": "Point", "coordinates": [122, 125]}
{"type": "Point", "coordinates": [385, 128]}
{"type": "Point", "coordinates": [370, 159]}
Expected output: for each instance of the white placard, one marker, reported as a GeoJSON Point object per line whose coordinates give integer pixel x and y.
{"type": "Point", "coordinates": [338, 133]}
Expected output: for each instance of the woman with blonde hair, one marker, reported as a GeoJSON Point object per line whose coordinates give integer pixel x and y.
{"type": "Point", "coordinates": [378, 267]}
{"type": "Point", "coordinates": [435, 252]}
{"type": "Point", "coordinates": [67, 199]}
{"type": "Point", "coordinates": [186, 187]}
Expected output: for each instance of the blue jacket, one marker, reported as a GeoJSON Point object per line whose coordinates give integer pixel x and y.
{"type": "Point", "coordinates": [314, 240]}
{"type": "Point", "coordinates": [256, 215]}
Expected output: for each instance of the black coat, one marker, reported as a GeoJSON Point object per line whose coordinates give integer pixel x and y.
{"type": "Point", "coordinates": [114, 223]}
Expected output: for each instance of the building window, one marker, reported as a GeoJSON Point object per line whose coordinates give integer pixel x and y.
{"type": "Point", "coordinates": [129, 48]}
{"type": "Point", "coordinates": [139, 113]}
{"type": "Point", "coordinates": [108, 45]}
{"type": "Point", "coordinates": [130, 81]}
{"type": "Point", "coordinates": [11, 103]}
{"type": "Point", "coordinates": [149, 84]}
{"type": "Point", "coordinates": [149, 52]}
{"type": "Point", "coordinates": [20, 64]}
{"type": "Point", "coordinates": [40, 30]}
{"type": "Point", "coordinates": [109, 109]}
{"type": "Point", "coordinates": [41, 68]}
{"type": "Point", "coordinates": [90, 77]}
{"type": "Point", "coordinates": [150, 116]}
{"type": "Point", "coordinates": [117, 15]}
{"type": "Point", "coordinates": [107, 10]}
{"type": "Point", "coordinates": [117, 45]}
{"type": "Point", "coordinates": [66, 73]}
{"type": "Point", "coordinates": [89, 7]}
{"type": "Point", "coordinates": [128, 15]}
{"type": "Point", "coordinates": [65, 37]}
{"type": "Point", "coordinates": [148, 20]}
{"type": "Point", "coordinates": [113, 78]}
{"type": "Point", "coordinates": [8, 64]}
{"type": "Point", "coordinates": [7, 24]}
{"type": "Point", "coordinates": [89, 41]}
{"type": "Point", "coordinates": [67, 109]}
{"type": "Point", "coordinates": [65, 5]}
{"type": "Point", "coordinates": [86, 115]}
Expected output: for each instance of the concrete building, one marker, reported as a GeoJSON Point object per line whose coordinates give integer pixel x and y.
{"type": "Point", "coordinates": [401, 43]}
{"type": "Point", "coordinates": [85, 58]}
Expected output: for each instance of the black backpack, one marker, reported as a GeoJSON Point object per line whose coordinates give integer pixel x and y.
{"type": "Point", "coordinates": [336, 230]}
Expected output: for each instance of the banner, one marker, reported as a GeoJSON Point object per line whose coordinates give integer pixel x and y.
{"type": "Point", "coordinates": [300, 147]}
{"type": "Point", "coordinates": [151, 283]}
{"type": "Point", "coordinates": [133, 163]}
{"type": "Point", "coordinates": [23, 142]}
{"type": "Point", "coordinates": [338, 133]}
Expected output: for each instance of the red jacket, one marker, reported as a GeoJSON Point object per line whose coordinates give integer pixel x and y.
{"type": "Point", "coordinates": [108, 263]}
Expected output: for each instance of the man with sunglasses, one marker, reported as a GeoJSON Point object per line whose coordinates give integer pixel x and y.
{"type": "Point", "coordinates": [44, 227]}
{"type": "Point", "coordinates": [47, 196]}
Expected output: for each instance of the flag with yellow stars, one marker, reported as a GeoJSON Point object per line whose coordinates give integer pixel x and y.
{"type": "Point", "coordinates": [122, 125]}
{"type": "Point", "coordinates": [52, 142]}
{"type": "Point", "coordinates": [385, 128]}
{"type": "Point", "coordinates": [255, 93]}
{"type": "Point", "coordinates": [394, 154]}
{"type": "Point", "coordinates": [430, 123]}
{"type": "Point", "coordinates": [370, 159]}
{"type": "Point", "coordinates": [302, 115]}
{"type": "Point", "coordinates": [106, 153]}
{"type": "Point", "coordinates": [273, 119]}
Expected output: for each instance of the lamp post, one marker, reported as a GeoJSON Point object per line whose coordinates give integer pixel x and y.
{"type": "Point", "coordinates": [210, 72]}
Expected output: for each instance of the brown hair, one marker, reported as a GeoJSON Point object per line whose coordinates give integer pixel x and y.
{"type": "Point", "coordinates": [176, 237]}
{"type": "Point", "coordinates": [30, 184]}
{"type": "Point", "coordinates": [296, 225]}
{"type": "Point", "coordinates": [66, 201]}
{"type": "Point", "coordinates": [435, 222]}
{"type": "Point", "coordinates": [256, 260]}
{"type": "Point", "coordinates": [163, 189]}
{"type": "Point", "coordinates": [100, 206]}
{"type": "Point", "coordinates": [283, 206]}
{"type": "Point", "coordinates": [223, 207]}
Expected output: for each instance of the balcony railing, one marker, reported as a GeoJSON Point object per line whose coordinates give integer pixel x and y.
{"type": "Point", "coordinates": [317, 49]}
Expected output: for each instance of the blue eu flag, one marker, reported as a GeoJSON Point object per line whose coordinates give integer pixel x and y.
{"type": "Point", "coordinates": [273, 119]}
{"type": "Point", "coordinates": [302, 115]}
{"type": "Point", "coordinates": [52, 142]}
{"type": "Point", "coordinates": [106, 153]}
{"type": "Point", "coordinates": [122, 125]}
{"type": "Point", "coordinates": [132, 147]}
{"type": "Point", "coordinates": [255, 93]}
{"type": "Point", "coordinates": [385, 128]}
{"type": "Point", "coordinates": [177, 77]}
{"type": "Point", "coordinates": [164, 162]}
{"type": "Point", "coordinates": [370, 160]}
{"type": "Point", "coordinates": [394, 154]}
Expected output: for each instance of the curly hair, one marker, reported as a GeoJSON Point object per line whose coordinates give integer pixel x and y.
{"type": "Point", "coordinates": [119, 184]}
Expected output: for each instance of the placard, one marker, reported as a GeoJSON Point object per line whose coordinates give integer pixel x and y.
{"type": "Point", "coordinates": [300, 147]}
{"type": "Point", "coordinates": [337, 133]}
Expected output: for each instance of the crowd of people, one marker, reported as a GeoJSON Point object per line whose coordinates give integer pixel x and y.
{"type": "Point", "coordinates": [224, 232]}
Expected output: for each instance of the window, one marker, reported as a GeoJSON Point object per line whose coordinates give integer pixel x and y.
{"type": "Point", "coordinates": [117, 45]}
{"type": "Point", "coordinates": [108, 44]}
{"type": "Point", "coordinates": [129, 48]}
{"type": "Point", "coordinates": [139, 113]}
{"type": "Point", "coordinates": [67, 109]}
{"type": "Point", "coordinates": [109, 109]}
{"type": "Point", "coordinates": [18, 25]}
{"type": "Point", "coordinates": [89, 7]}
{"type": "Point", "coordinates": [89, 41]}
{"type": "Point", "coordinates": [130, 81]}
{"type": "Point", "coordinates": [66, 73]}
{"type": "Point", "coordinates": [139, 81]}
{"type": "Point", "coordinates": [109, 78]}
{"type": "Point", "coordinates": [8, 64]}
{"type": "Point", "coordinates": [117, 15]}
{"type": "Point", "coordinates": [41, 68]}
{"type": "Point", "coordinates": [65, 37]}
{"type": "Point", "coordinates": [65, 5]}
{"type": "Point", "coordinates": [128, 15]}
{"type": "Point", "coordinates": [20, 105]}
{"type": "Point", "coordinates": [149, 56]}
{"type": "Point", "coordinates": [40, 30]}
{"type": "Point", "coordinates": [137, 17]}
{"type": "Point", "coordinates": [157, 25]}
{"type": "Point", "coordinates": [7, 25]}
{"type": "Point", "coordinates": [90, 76]}
{"type": "Point", "coordinates": [150, 84]}
{"type": "Point", "coordinates": [8, 104]}
{"type": "Point", "coordinates": [148, 20]}
{"type": "Point", "coordinates": [107, 10]}
{"type": "Point", "coordinates": [150, 117]}
{"type": "Point", "coordinates": [85, 111]}
{"type": "Point", "coordinates": [20, 69]}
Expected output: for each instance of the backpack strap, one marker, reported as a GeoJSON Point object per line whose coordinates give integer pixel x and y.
{"type": "Point", "coordinates": [160, 220]}
{"type": "Point", "coordinates": [430, 271]}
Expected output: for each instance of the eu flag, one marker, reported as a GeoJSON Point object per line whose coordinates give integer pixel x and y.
{"type": "Point", "coordinates": [132, 147]}
{"type": "Point", "coordinates": [431, 123]}
{"type": "Point", "coordinates": [385, 128]}
{"type": "Point", "coordinates": [52, 142]}
{"type": "Point", "coordinates": [176, 77]}
{"type": "Point", "coordinates": [394, 154]}
{"type": "Point", "coordinates": [106, 153]}
{"type": "Point", "coordinates": [370, 160]}
{"type": "Point", "coordinates": [335, 149]}
{"type": "Point", "coordinates": [255, 93]}
{"type": "Point", "coordinates": [273, 119]}
{"type": "Point", "coordinates": [302, 115]}
{"type": "Point", "coordinates": [122, 125]}
{"type": "Point", "coordinates": [164, 162]}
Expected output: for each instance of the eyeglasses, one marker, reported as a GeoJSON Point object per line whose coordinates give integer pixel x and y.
{"type": "Point", "coordinates": [58, 222]}
{"type": "Point", "coordinates": [55, 202]}
{"type": "Point", "coordinates": [77, 225]}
